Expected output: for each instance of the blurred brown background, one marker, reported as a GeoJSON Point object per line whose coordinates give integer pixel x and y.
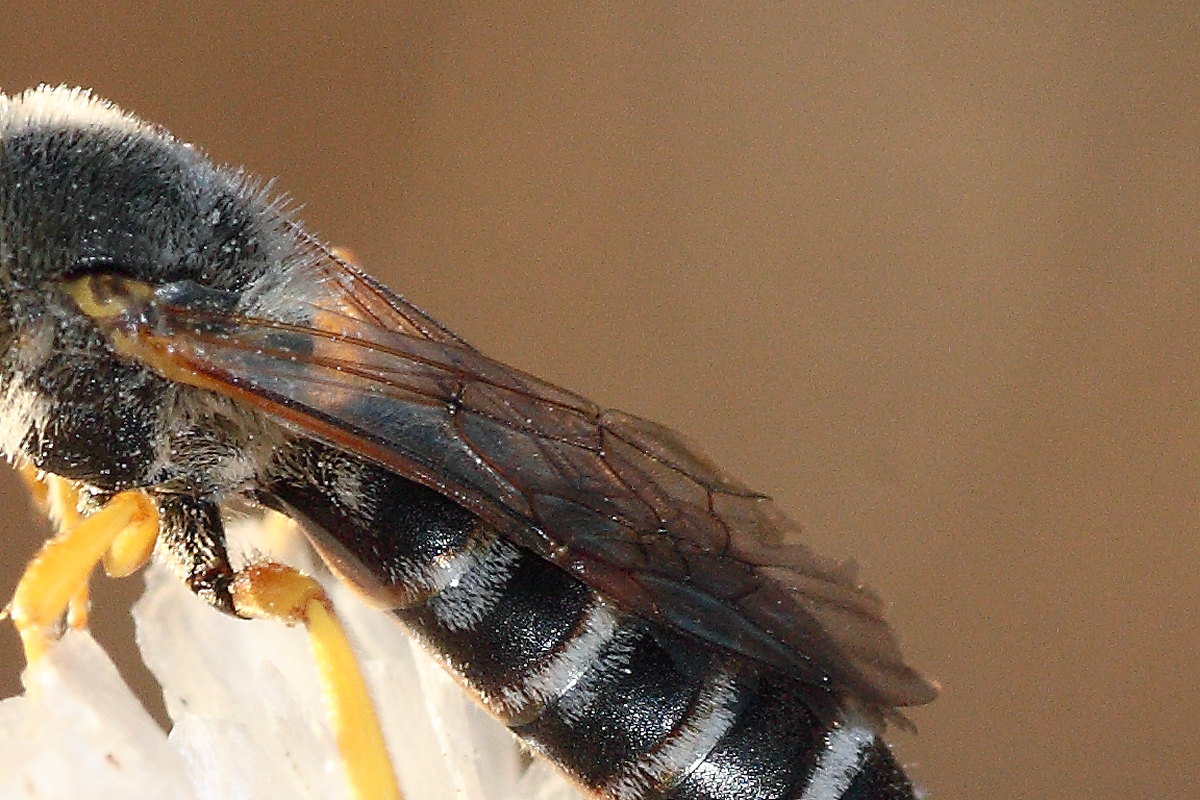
{"type": "Point", "coordinates": [928, 275]}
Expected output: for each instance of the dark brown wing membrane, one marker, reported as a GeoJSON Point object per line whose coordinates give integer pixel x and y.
{"type": "Point", "coordinates": [623, 503]}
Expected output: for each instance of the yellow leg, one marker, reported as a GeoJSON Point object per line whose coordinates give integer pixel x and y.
{"type": "Point", "coordinates": [59, 572]}
{"type": "Point", "coordinates": [35, 483]}
{"type": "Point", "coordinates": [122, 535]}
{"type": "Point", "coordinates": [78, 607]}
{"type": "Point", "coordinates": [273, 591]}
{"type": "Point", "coordinates": [130, 550]}
{"type": "Point", "coordinates": [61, 500]}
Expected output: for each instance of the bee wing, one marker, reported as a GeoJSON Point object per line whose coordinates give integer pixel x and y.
{"type": "Point", "coordinates": [623, 503]}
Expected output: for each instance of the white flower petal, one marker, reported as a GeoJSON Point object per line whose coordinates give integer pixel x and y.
{"type": "Point", "coordinates": [78, 731]}
{"type": "Point", "coordinates": [248, 717]}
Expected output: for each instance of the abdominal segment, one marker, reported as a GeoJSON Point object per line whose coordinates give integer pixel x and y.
{"type": "Point", "coordinates": [628, 708]}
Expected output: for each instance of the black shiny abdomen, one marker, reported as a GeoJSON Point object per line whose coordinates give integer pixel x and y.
{"type": "Point", "coordinates": [624, 712]}
{"type": "Point", "coordinates": [753, 759]}
{"type": "Point", "coordinates": [515, 634]}
{"type": "Point", "coordinates": [649, 713]}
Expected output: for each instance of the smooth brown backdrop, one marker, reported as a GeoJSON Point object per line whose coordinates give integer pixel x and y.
{"type": "Point", "coordinates": [927, 275]}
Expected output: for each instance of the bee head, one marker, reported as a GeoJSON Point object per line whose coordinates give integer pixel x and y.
{"type": "Point", "coordinates": [87, 188]}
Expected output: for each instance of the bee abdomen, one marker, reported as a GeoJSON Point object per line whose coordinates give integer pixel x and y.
{"type": "Point", "coordinates": [627, 707]}
{"type": "Point", "coordinates": [634, 711]}
{"type": "Point", "coordinates": [778, 749]}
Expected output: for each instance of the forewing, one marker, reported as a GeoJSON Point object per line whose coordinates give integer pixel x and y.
{"type": "Point", "coordinates": [623, 503]}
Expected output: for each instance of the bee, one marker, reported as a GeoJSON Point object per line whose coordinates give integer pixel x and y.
{"type": "Point", "coordinates": [630, 611]}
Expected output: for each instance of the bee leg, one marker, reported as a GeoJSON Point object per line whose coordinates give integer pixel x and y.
{"type": "Point", "coordinates": [275, 591]}
{"type": "Point", "coordinates": [191, 539]}
{"type": "Point", "coordinates": [59, 500]}
{"type": "Point", "coordinates": [57, 576]}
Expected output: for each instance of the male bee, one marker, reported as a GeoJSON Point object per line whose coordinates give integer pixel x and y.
{"type": "Point", "coordinates": [627, 609]}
